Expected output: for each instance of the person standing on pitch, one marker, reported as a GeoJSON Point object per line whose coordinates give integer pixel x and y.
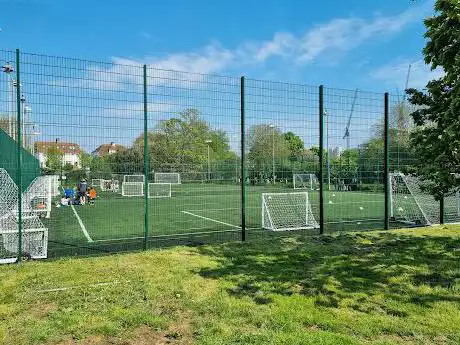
{"type": "Point", "coordinates": [82, 190]}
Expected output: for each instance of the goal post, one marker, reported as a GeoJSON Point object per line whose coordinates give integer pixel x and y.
{"type": "Point", "coordinates": [38, 195]}
{"type": "Point", "coordinates": [159, 190]}
{"type": "Point", "coordinates": [134, 178]}
{"type": "Point", "coordinates": [34, 234]}
{"type": "Point", "coordinates": [132, 189]}
{"type": "Point", "coordinates": [287, 211]}
{"type": "Point", "coordinates": [452, 207]}
{"type": "Point", "coordinates": [305, 181]}
{"type": "Point", "coordinates": [110, 185]}
{"type": "Point", "coordinates": [97, 182]}
{"type": "Point", "coordinates": [409, 204]}
{"type": "Point", "coordinates": [172, 178]}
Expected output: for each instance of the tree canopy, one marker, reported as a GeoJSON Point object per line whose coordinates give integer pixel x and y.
{"type": "Point", "coordinates": [437, 138]}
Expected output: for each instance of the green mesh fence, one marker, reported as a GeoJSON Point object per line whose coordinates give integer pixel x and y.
{"type": "Point", "coordinates": [136, 157]}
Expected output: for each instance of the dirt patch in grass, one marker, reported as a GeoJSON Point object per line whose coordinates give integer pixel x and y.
{"type": "Point", "coordinates": [179, 333]}
{"type": "Point", "coordinates": [42, 310]}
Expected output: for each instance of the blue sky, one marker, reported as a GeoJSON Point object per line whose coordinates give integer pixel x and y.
{"type": "Point", "coordinates": [344, 44]}
{"type": "Point", "coordinates": [353, 43]}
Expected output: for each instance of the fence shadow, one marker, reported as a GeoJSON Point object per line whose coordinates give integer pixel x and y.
{"type": "Point", "coordinates": [347, 266]}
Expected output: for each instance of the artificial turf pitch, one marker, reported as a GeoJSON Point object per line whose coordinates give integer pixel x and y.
{"type": "Point", "coordinates": [194, 210]}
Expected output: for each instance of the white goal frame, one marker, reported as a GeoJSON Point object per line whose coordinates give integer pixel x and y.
{"type": "Point", "coordinates": [152, 186]}
{"type": "Point", "coordinates": [134, 178]}
{"type": "Point", "coordinates": [305, 219]}
{"type": "Point", "coordinates": [126, 185]}
{"type": "Point", "coordinates": [427, 209]}
{"type": "Point", "coordinates": [167, 177]}
{"type": "Point", "coordinates": [312, 179]}
{"type": "Point", "coordinates": [114, 185]}
{"type": "Point", "coordinates": [34, 234]}
{"type": "Point", "coordinates": [97, 182]}
{"type": "Point", "coordinates": [40, 192]}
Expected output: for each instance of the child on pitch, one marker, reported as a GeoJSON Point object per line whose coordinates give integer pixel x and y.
{"type": "Point", "coordinates": [82, 190]}
{"type": "Point", "coordinates": [92, 196]}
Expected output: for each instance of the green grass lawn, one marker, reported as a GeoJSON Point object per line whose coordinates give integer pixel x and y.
{"type": "Point", "coordinates": [195, 209]}
{"type": "Point", "coordinates": [395, 287]}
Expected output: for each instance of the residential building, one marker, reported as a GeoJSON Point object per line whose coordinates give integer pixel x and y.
{"type": "Point", "coordinates": [70, 152]}
{"type": "Point", "coordinates": [108, 149]}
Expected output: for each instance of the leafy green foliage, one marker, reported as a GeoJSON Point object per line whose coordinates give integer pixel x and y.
{"type": "Point", "coordinates": [54, 158]}
{"type": "Point", "coordinates": [437, 138]}
{"type": "Point", "coordinates": [179, 144]}
{"type": "Point", "coordinates": [295, 145]}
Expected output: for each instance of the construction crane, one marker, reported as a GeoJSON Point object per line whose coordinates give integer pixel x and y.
{"type": "Point", "coordinates": [347, 128]}
{"type": "Point", "coordinates": [407, 82]}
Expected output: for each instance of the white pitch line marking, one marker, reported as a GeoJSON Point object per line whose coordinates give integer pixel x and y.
{"type": "Point", "coordinates": [82, 226]}
{"type": "Point", "coordinates": [210, 219]}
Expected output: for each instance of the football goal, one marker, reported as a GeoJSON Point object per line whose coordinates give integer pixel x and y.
{"type": "Point", "coordinates": [38, 195]}
{"type": "Point", "coordinates": [159, 190]}
{"type": "Point", "coordinates": [287, 211]}
{"type": "Point", "coordinates": [172, 178]}
{"type": "Point", "coordinates": [110, 185]}
{"type": "Point", "coordinates": [132, 189]}
{"type": "Point", "coordinates": [134, 178]}
{"type": "Point", "coordinates": [410, 204]}
{"type": "Point", "coordinates": [305, 181]}
{"type": "Point", "coordinates": [96, 182]}
{"type": "Point", "coordinates": [55, 184]}
{"type": "Point", "coordinates": [34, 234]}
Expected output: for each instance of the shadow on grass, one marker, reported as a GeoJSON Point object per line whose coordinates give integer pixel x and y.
{"type": "Point", "coordinates": [346, 266]}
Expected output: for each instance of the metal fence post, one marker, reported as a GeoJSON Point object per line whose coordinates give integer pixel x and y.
{"type": "Point", "coordinates": [321, 159]}
{"type": "Point", "coordinates": [19, 154]}
{"type": "Point", "coordinates": [146, 164]}
{"type": "Point", "coordinates": [242, 164]}
{"type": "Point", "coordinates": [386, 161]}
{"type": "Point", "coordinates": [441, 210]}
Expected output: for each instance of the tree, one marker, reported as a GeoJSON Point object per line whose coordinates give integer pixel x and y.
{"type": "Point", "coordinates": [85, 160]}
{"type": "Point", "coordinates": [180, 144]}
{"type": "Point", "coordinates": [437, 137]}
{"type": "Point", "coordinates": [266, 145]}
{"type": "Point", "coordinates": [295, 145]}
{"type": "Point", "coordinates": [54, 158]}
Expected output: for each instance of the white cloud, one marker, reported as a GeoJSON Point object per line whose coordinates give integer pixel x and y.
{"type": "Point", "coordinates": [336, 36]}
{"type": "Point", "coordinates": [394, 75]}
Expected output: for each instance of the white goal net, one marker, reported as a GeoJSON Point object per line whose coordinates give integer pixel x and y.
{"type": "Point", "coordinates": [412, 205]}
{"type": "Point", "coordinates": [132, 189]}
{"type": "Point", "coordinates": [287, 211]}
{"type": "Point", "coordinates": [38, 195]}
{"type": "Point", "coordinates": [159, 190]}
{"type": "Point", "coordinates": [34, 234]}
{"type": "Point", "coordinates": [134, 178]}
{"type": "Point", "coordinates": [110, 185]}
{"type": "Point", "coordinates": [452, 207]}
{"type": "Point", "coordinates": [173, 178]}
{"type": "Point", "coordinates": [96, 182]}
{"type": "Point", "coordinates": [305, 181]}
{"type": "Point", "coordinates": [55, 184]}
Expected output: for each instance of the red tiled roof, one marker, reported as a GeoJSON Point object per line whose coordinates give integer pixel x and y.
{"type": "Point", "coordinates": [66, 148]}
{"type": "Point", "coordinates": [106, 148]}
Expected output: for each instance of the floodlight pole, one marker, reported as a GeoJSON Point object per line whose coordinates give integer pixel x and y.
{"type": "Point", "coordinates": [209, 160]}
{"type": "Point", "coordinates": [24, 118]}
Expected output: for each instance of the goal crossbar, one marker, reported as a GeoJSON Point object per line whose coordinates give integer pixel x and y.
{"type": "Point", "coordinates": [167, 177]}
